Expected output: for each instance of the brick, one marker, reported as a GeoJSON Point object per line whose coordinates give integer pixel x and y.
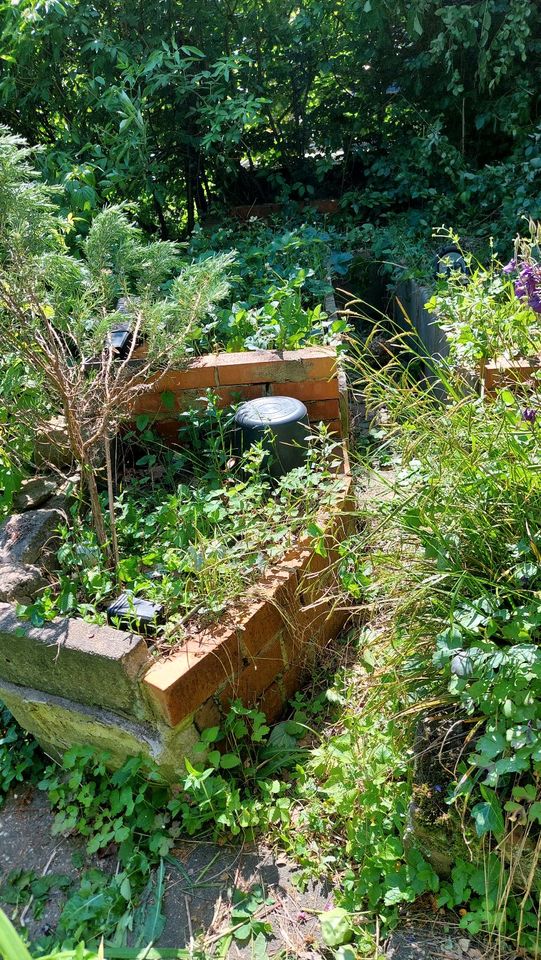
{"type": "Point", "coordinates": [271, 702]}
{"type": "Point", "coordinates": [152, 402]}
{"type": "Point", "coordinates": [292, 680]}
{"type": "Point", "coordinates": [276, 366]}
{"type": "Point", "coordinates": [255, 678]}
{"type": "Point", "coordinates": [307, 390]}
{"type": "Point", "coordinates": [508, 373]}
{"type": "Point", "coordinates": [198, 374]}
{"type": "Point", "coordinates": [180, 684]}
{"type": "Point", "coordinates": [239, 392]}
{"type": "Point", "coordinates": [167, 430]}
{"type": "Point", "coordinates": [334, 426]}
{"type": "Point", "coordinates": [323, 410]}
{"type": "Point", "coordinates": [259, 623]}
{"type": "Point", "coordinates": [333, 624]}
{"type": "Point", "coordinates": [207, 716]}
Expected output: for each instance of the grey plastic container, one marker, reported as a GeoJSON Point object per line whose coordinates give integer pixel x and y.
{"type": "Point", "coordinates": [282, 423]}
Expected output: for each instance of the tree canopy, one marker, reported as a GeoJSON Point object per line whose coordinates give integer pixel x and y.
{"type": "Point", "coordinates": [176, 104]}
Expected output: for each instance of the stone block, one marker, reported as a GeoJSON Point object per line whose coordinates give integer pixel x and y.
{"type": "Point", "coordinates": [20, 582]}
{"type": "Point", "coordinates": [34, 493]}
{"type": "Point", "coordinates": [58, 724]}
{"type": "Point", "coordinates": [51, 446]}
{"type": "Point", "coordinates": [30, 537]}
{"type": "Point", "coordinates": [96, 666]}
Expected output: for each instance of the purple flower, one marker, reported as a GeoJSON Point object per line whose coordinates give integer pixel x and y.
{"type": "Point", "coordinates": [437, 788]}
{"type": "Point", "coordinates": [528, 285]}
{"type": "Point", "coordinates": [510, 267]}
{"type": "Point", "coordinates": [529, 414]}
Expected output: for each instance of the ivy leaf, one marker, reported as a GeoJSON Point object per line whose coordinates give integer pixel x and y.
{"type": "Point", "coordinates": [142, 421]}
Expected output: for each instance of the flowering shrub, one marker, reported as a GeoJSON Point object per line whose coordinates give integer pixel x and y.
{"type": "Point", "coordinates": [527, 268]}
{"type": "Point", "coordinates": [527, 284]}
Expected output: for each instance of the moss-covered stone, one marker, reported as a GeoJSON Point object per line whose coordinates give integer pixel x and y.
{"type": "Point", "coordinates": [433, 827]}
{"type": "Point", "coordinates": [58, 724]}
{"type": "Point", "coordinates": [95, 666]}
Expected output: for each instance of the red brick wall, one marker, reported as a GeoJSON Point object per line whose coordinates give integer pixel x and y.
{"type": "Point", "coordinates": [263, 646]}
{"type": "Point", "coordinates": [311, 375]}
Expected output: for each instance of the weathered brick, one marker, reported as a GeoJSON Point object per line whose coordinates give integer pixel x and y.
{"type": "Point", "coordinates": [207, 716]}
{"type": "Point", "coordinates": [335, 427]}
{"type": "Point", "coordinates": [259, 623]}
{"type": "Point", "coordinates": [180, 684]}
{"type": "Point", "coordinates": [198, 374]}
{"type": "Point", "coordinates": [292, 679]}
{"type": "Point", "coordinates": [256, 677]}
{"type": "Point", "coordinates": [307, 390]}
{"type": "Point", "coordinates": [276, 366]}
{"type": "Point", "coordinates": [323, 410]}
{"type": "Point", "coordinates": [271, 702]}
{"type": "Point", "coordinates": [153, 403]}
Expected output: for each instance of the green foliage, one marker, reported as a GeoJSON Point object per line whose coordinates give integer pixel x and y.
{"type": "Point", "coordinates": [21, 760]}
{"type": "Point", "coordinates": [483, 319]}
{"type": "Point", "coordinates": [463, 530]}
{"type": "Point", "coordinates": [413, 102]}
{"type": "Point", "coordinates": [282, 276]}
{"type": "Point", "coordinates": [196, 541]}
{"type": "Point", "coordinates": [234, 790]}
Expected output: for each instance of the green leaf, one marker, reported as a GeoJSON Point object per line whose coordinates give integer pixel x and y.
{"type": "Point", "coordinates": [168, 399]}
{"type": "Point", "coordinates": [230, 760]}
{"type": "Point", "coordinates": [488, 816]}
{"type": "Point", "coordinates": [142, 421]}
{"type": "Point", "coordinates": [11, 945]}
{"type": "Point", "coordinates": [336, 927]}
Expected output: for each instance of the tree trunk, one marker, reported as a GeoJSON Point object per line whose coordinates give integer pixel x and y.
{"type": "Point", "coordinates": [95, 506]}
{"type": "Point", "coordinates": [111, 499]}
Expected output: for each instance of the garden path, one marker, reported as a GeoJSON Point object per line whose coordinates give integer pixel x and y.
{"type": "Point", "coordinates": [198, 891]}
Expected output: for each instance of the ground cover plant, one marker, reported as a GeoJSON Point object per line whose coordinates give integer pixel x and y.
{"type": "Point", "coordinates": [283, 271]}
{"type": "Point", "coordinates": [195, 539]}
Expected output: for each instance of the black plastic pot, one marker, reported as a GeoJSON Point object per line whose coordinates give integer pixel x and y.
{"type": "Point", "coordinates": [283, 426]}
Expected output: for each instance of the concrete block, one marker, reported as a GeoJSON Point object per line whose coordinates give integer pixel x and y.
{"type": "Point", "coordinates": [97, 666]}
{"type": "Point", "coordinates": [58, 724]}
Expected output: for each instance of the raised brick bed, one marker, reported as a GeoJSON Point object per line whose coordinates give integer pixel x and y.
{"type": "Point", "coordinates": [69, 682]}
{"type": "Point", "coordinates": [262, 211]}
{"type": "Point", "coordinates": [311, 374]}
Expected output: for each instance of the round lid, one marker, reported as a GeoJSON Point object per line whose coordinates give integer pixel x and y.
{"type": "Point", "coordinates": [270, 410]}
